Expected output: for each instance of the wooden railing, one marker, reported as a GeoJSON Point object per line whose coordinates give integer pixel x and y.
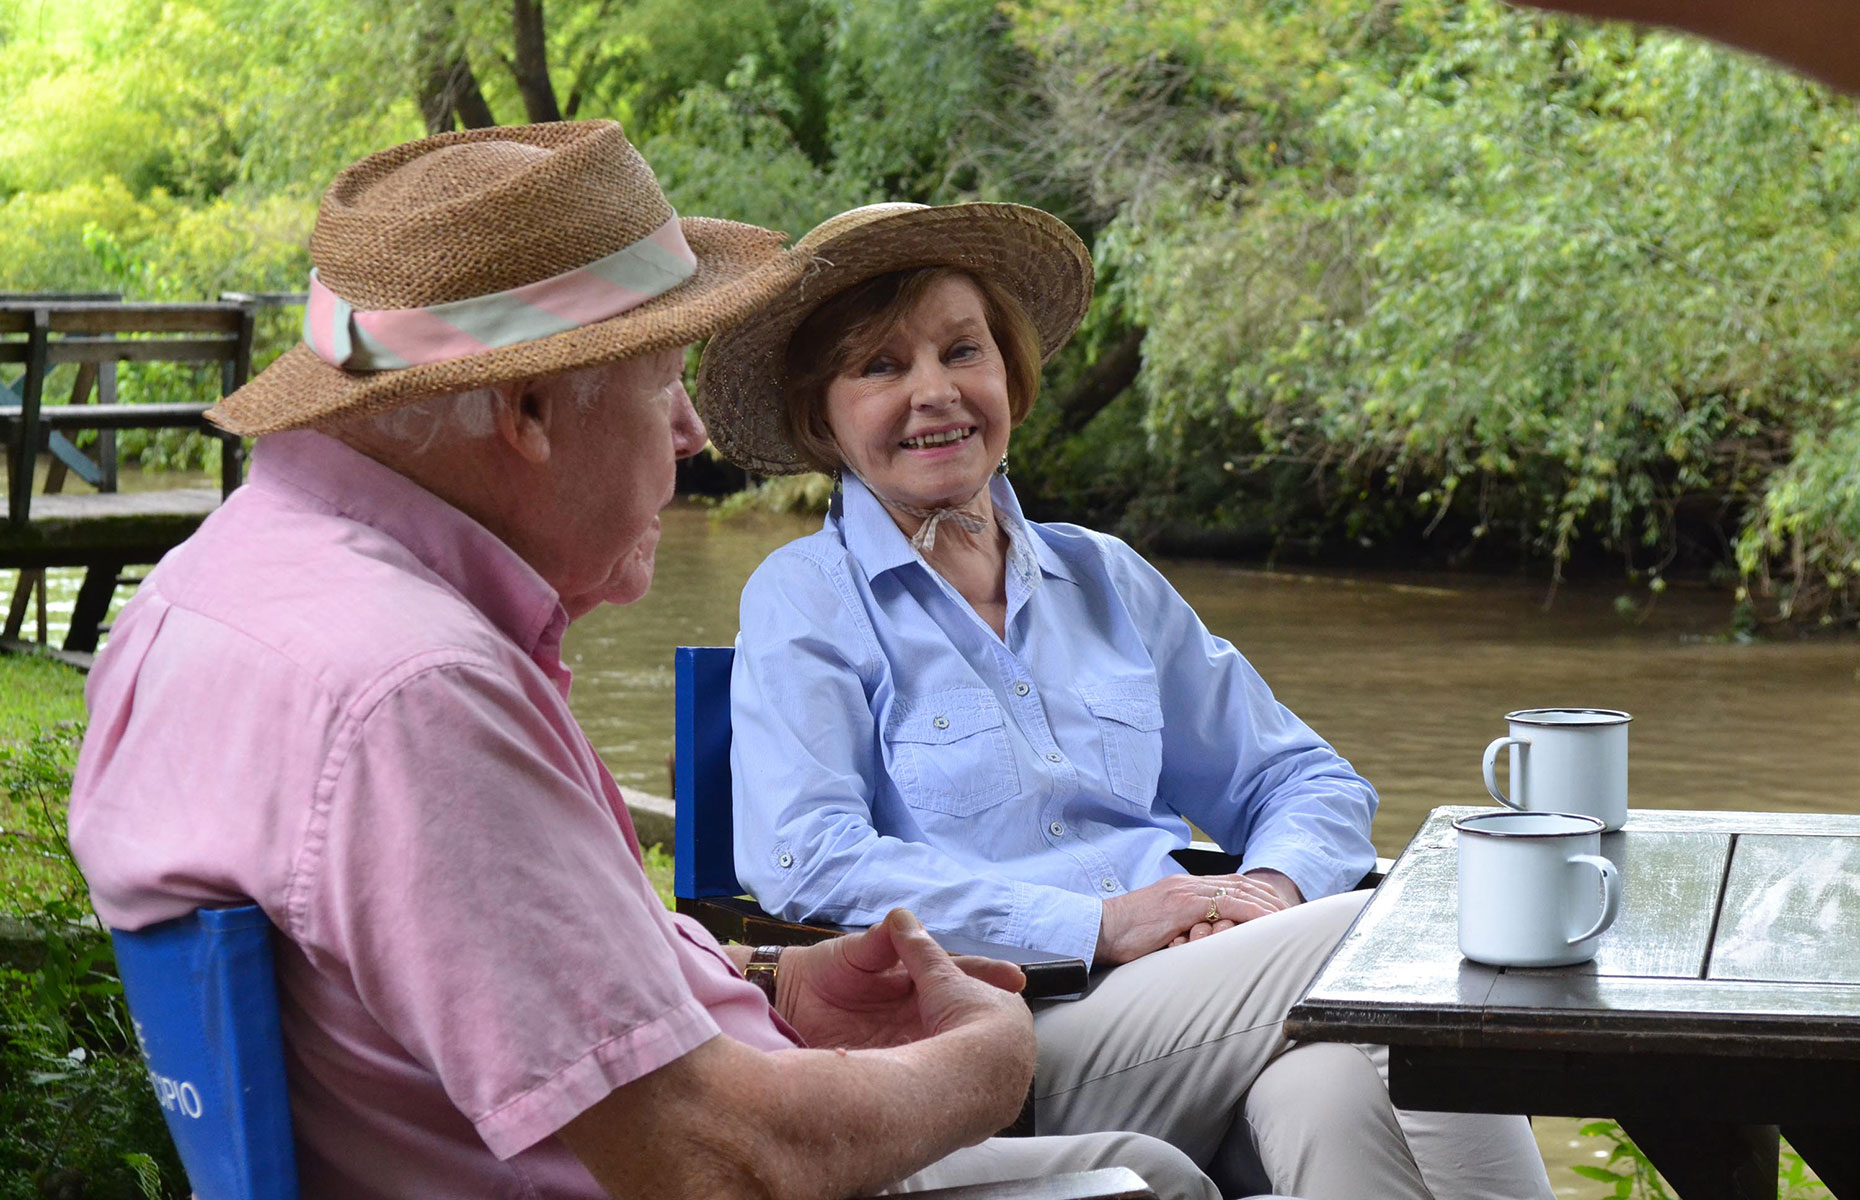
{"type": "Point", "coordinates": [105, 531]}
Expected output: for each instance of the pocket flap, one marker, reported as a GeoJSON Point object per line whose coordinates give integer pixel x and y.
{"type": "Point", "coordinates": [943, 717]}
{"type": "Point", "coordinates": [1132, 702]}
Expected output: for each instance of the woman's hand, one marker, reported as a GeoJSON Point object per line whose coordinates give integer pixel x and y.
{"type": "Point", "coordinates": [1277, 881]}
{"type": "Point", "coordinates": [1175, 910]}
{"type": "Point", "coordinates": [890, 985]}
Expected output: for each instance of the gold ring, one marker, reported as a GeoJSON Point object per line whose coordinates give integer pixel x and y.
{"type": "Point", "coordinates": [1214, 912]}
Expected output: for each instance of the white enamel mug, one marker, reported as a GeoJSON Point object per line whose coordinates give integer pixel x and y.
{"type": "Point", "coordinates": [1571, 760]}
{"type": "Point", "coordinates": [1529, 894]}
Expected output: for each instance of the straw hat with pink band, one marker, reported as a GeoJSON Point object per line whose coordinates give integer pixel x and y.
{"type": "Point", "coordinates": [493, 255]}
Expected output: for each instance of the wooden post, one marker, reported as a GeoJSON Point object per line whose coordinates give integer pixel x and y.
{"type": "Point", "coordinates": [233, 375]}
{"type": "Point", "coordinates": [93, 605]}
{"type": "Point", "coordinates": [23, 587]}
{"type": "Point", "coordinates": [1710, 1160]}
{"type": "Point", "coordinates": [26, 453]}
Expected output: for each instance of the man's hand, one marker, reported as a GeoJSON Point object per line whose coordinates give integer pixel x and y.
{"type": "Point", "coordinates": [1175, 910]}
{"type": "Point", "coordinates": [845, 1120]}
{"type": "Point", "coordinates": [890, 985]}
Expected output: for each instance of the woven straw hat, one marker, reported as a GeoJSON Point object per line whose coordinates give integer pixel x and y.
{"type": "Point", "coordinates": [492, 255]}
{"type": "Point", "coordinates": [1031, 253]}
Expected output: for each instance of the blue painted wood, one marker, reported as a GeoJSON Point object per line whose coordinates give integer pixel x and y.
{"type": "Point", "coordinates": [61, 446]}
{"type": "Point", "coordinates": [202, 991]}
{"type": "Point", "coordinates": [704, 863]}
{"type": "Point", "coordinates": [66, 451]}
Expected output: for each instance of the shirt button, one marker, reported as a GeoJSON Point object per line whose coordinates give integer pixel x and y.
{"type": "Point", "coordinates": [1108, 884]}
{"type": "Point", "coordinates": [785, 859]}
{"type": "Point", "coordinates": [941, 722]}
{"type": "Point", "coordinates": [1021, 689]}
{"type": "Point", "coordinates": [1054, 756]}
{"type": "Point", "coordinates": [1057, 828]}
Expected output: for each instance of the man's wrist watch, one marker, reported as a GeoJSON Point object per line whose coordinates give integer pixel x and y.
{"type": "Point", "coordinates": [764, 963]}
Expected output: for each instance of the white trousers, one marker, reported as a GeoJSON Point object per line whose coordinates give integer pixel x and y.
{"type": "Point", "coordinates": [1187, 1045]}
{"type": "Point", "coordinates": [1169, 1172]}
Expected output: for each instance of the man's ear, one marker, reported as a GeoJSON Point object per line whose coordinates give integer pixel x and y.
{"type": "Point", "coordinates": [524, 414]}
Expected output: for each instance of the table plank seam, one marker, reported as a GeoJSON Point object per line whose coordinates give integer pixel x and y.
{"type": "Point", "coordinates": [1717, 915]}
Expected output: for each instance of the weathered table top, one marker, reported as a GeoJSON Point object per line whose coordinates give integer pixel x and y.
{"type": "Point", "coordinates": [1739, 935]}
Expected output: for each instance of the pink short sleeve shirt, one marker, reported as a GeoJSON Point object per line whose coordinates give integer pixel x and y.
{"type": "Point", "coordinates": [344, 699]}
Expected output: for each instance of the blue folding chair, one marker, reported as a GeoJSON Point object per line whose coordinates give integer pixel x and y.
{"type": "Point", "coordinates": [204, 997]}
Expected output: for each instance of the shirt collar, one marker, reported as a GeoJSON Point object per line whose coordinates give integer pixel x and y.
{"type": "Point", "coordinates": [490, 576]}
{"type": "Point", "coordinates": [879, 545]}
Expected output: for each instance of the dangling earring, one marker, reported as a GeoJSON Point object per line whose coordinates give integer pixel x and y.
{"type": "Point", "coordinates": [1001, 467]}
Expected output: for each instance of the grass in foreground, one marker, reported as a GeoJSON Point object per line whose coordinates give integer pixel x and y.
{"type": "Point", "coordinates": [35, 693]}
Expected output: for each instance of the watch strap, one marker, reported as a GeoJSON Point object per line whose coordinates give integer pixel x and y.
{"type": "Point", "coordinates": [764, 964]}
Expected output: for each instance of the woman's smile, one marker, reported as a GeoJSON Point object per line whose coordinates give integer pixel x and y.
{"type": "Point", "coordinates": [939, 439]}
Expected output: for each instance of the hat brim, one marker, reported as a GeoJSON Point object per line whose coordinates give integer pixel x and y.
{"type": "Point", "coordinates": [1033, 254]}
{"type": "Point", "coordinates": [740, 268]}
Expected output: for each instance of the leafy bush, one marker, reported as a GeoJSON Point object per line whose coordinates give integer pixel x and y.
{"type": "Point", "coordinates": [79, 1118]}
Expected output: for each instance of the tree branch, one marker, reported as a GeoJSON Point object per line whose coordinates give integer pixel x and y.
{"type": "Point", "coordinates": [531, 66]}
{"type": "Point", "coordinates": [1115, 370]}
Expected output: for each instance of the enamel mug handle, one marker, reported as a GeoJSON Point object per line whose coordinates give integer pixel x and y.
{"type": "Point", "coordinates": [1491, 769]}
{"type": "Point", "coordinates": [1611, 894]}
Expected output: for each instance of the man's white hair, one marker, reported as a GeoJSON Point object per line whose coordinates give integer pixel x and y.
{"type": "Point", "coordinates": [466, 416]}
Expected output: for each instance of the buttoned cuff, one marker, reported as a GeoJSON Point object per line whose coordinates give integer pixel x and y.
{"type": "Point", "coordinates": [1316, 875]}
{"type": "Point", "coordinates": [1056, 920]}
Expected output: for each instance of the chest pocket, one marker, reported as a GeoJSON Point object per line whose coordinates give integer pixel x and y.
{"type": "Point", "coordinates": [1130, 721]}
{"type": "Point", "coordinates": [950, 754]}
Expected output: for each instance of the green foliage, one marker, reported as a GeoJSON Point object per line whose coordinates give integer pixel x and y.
{"type": "Point", "coordinates": [36, 690]}
{"type": "Point", "coordinates": [1446, 278]}
{"type": "Point", "coordinates": [730, 150]}
{"type": "Point", "coordinates": [75, 1100]}
{"type": "Point", "coordinates": [659, 871]}
{"type": "Point", "coordinates": [1803, 553]}
{"type": "Point", "coordinates": [1459, 270]}
{"type": "Point", "coordinates": [807, 493]}
{"type": "Point", "coordinates": [1631, 1175]}
{"type": "Point", "coordinates": [912, 87]}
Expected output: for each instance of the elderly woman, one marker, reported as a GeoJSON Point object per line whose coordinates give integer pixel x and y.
{"type": "Point", "coordinates": [1007, 726]}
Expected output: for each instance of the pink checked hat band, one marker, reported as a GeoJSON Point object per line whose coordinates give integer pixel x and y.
{"type": "Point", "coordinates": [389, 339]}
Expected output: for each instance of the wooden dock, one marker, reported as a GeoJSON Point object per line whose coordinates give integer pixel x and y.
{"type": "Point", "coordinates": [73, 530]}
{"type": "Point", "coordinates": [102, 531]}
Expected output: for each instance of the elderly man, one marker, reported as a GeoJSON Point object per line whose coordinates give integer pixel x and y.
{"type": "Point", "coordinates": [344, 699]}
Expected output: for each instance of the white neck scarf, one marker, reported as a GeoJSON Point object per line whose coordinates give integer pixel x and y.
{"type": "Point", "coordinates": [968, 515]}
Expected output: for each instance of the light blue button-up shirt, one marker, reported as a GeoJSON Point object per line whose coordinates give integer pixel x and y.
{"type": "Point", "coordinates": [890, 750]}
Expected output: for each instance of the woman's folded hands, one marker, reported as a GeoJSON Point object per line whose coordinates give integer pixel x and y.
{"type": "Point", "coordinates": [1186, 908]}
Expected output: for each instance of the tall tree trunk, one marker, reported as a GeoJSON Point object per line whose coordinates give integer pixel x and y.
{"type": "Point", "coordinates": [531, 65]}
{"type": "Point", "coordinates": [449, 90]}
{"type": "Point", "coordinates": [436, 99]}
{"type": "Point", "coordinates": [474, 113]}
{"type": "Point", "coordinates": [1106, 379]}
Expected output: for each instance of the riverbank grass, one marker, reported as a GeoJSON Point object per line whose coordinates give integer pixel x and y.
{"type": "Point", "coordinates": [41, 712]}
{"type": "Point", "coordinates": [37, 692]}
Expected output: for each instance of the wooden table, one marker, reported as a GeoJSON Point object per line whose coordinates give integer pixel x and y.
{"type": "Point", "coordinates": [1724, 1002]}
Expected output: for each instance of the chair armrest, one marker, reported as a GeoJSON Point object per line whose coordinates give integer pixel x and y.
{"type": "Point", "coordinates": [1108, 1183]}
{"type": "Point", "coordinates": [1206, 858]}
{"type": "Point", "coordinates": [1383, 867]}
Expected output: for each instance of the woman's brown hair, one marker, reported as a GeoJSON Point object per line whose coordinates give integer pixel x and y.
{"type": "Point", "coordinates": [855, 323]}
